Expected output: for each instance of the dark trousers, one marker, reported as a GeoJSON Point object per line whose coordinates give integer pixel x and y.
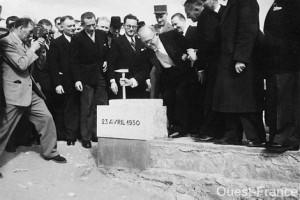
{"type": "Point", "coordinates": [283, 108]}
{"type": "Point", "coordinates": [90, 97]}
{"type": "Point", "coordinates": [196, 112]}
{"type": "Point", "coordinates": [250, 123]}
{"type": "Point", "coordinates": [213, 124]}
{"type": "Point", "coordinates": [70, 115]}
{"type": "Point", "coordinates": [176, 97]}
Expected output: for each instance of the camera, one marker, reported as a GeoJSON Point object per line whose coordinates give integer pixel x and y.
{"type": "Point", "coordinates": [40, 32]}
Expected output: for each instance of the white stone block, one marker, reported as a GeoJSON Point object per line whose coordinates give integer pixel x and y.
{"type": "Point", "coordinates": [141, 119]}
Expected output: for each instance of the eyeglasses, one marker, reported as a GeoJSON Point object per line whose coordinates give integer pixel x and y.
{"type": "Point", "coordinates": [131, 26]}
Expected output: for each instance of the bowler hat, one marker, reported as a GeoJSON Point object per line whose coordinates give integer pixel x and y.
{"type": "Point", "coordinates": [115, 22]}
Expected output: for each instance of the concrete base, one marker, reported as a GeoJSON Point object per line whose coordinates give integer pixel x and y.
{"type": "Point", "coordinates": [121, 153]}
{"type": "Point", "coordinates": [205, 171]}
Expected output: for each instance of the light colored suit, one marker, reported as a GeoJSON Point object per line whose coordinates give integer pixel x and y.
{"type": "Point", "coordinates": [17, 83]}
{"type": "Point", "coordinates": [23, 96]}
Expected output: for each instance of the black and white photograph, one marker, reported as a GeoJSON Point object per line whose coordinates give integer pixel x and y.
{"type": "Point", "coordinates": [149, 100]}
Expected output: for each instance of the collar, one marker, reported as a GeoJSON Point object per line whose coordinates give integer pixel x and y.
{"type": "Point", "coordinates": [219, 4]}
{"type": "Point", "coordinates": [17, 38]}
{"type": "Point", "coordinates": [129, 38]}
{"type": "Point", "coordinates": [67, 37]}
{"type": "Point", "coordinates": [185, 30]}
{"type": "Point", "coordinates": [91, 36]}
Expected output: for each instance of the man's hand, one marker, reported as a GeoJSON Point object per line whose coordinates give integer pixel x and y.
{"type": "Point", "coordinates": [125, 82]}
{"type": "Point", "coordinates": [59, 89]}
{"type": "Point", "coordinates": [148, 83]}
{"type": "Point", "coordinates": [78, 86]}
{"type": "Point", "coordinates": [36, 44]}
{"type": "Point", "coordinates": [192, 56]}
{"type": "Point", "coordinates": [114, 86]}
{"type": "Point", "coordinates": [104, 66]}
{"type": "Point", "coordinates": [240, 67]}
{"type": "Point", "coordinates": [184, 57]}
{"type": "Point", "coordinates": [201, 76]}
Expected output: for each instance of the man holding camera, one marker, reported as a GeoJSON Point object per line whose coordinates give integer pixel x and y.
{"type": "Point", "coordinates": [21, 93]}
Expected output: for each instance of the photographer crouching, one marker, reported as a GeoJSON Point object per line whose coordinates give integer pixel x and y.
{"type": "Point", "coordinates": [21, 92]}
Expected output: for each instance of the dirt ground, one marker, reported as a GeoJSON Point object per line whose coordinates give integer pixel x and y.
{"type": "Point", "coordinates": [29, 177]}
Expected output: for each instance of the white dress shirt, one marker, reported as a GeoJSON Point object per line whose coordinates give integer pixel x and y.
{"type": "Point", "coordinates": [220, 3]}
{"type": "Point", "coordinates": [163, 56]}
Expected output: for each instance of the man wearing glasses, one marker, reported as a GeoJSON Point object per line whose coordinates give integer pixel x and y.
{"type": "Point", "coordinates": [88, 52]}
{"type": "Point", "coordinates": [127, 53]}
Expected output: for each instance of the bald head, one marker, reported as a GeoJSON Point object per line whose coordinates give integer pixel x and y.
{"type": "Point", "coordinates": [149, 36]}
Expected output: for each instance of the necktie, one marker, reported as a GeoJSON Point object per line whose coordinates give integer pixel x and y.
{"type": "Point", "coordinates": [132, 43]}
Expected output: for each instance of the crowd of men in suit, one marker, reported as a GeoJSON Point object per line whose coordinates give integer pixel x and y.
{"type": "Point", "coordinates": [215, 79]}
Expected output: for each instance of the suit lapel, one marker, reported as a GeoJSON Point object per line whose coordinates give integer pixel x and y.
{"type": "Point", "coordinates": [127, 43]}
{"type": "Point", "coordinates": [228, 7]}
{"type": "Point", "coordinates": [138, 44]}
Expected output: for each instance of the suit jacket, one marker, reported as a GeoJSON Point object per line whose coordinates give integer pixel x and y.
{"type": "Point", "coordinates": [123, 56]}
{"type": "Point", "coordinates": [17, 82]}
{"type": "Point", "coordinates": [175, 46]}
{"type": "Point", "coordinates": [87, 57]}
{"type": "Point", "coordinates": [239, 30]}
{"type": "Point", "coordinates": [208, 38]}
{"type": "Point", "coordinates": [191, 37]}
{"type": "Point", "coordinates": [281, 40]}
{"type": "Point", "coordinates": [59, 59]}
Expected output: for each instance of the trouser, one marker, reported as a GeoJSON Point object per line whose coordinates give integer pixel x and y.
{"type": "Point", "coordinates": [250, 123]}
{"type": "Point", "coordinates": [213, 125]}
{"type": "Point", "coordinates": [40, 116]}
{"type": "Point", "coordinates": [176, 98]}
{"type": "Point", "coordinates": [89, 99]}
{"type": "Point", "coordinates": [283, 108]}
{"type": "Point", "coordinates": [71, 116]}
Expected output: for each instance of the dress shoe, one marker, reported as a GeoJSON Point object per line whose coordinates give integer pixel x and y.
{"type": "Point", "coordinates": [282, 149]}
{"type": "Point", "coordinates": [255, 144]}
{"type": "Point", "coordinates": [94, 139]}
{"type": "Point", "coordinates": [205, 138]}
{"type": "Point", "coordinates": [70, 142]}
{"type": "Point", "coordinates": [86, 144]}
{"type": "Point", "coordinates": [227, 142]}
{"type": "Point", "coordinates": [58, 159]}
{"type": "Point", "coordinates": [177, 135]}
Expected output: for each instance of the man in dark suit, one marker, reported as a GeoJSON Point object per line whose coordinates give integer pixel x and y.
{"type": "Point", "coordinates": [281, 45]}
{"type": "Point", "coordinates": [60, 70]}
{"type": "Point", "coordinates": [89, 50]}
{"type": "Point", "coordinates": [207, 44]}
{"type": "Point", "coordinates": [196, 92]}
{"type": "Point", "coordinates": [126, 53]}
{"type": "Point", "coordinates": [21, 92]}
{"type": "Point", "coordinates": [168, 53]}
{"type": "Point", "coordinates": [238, 86]}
